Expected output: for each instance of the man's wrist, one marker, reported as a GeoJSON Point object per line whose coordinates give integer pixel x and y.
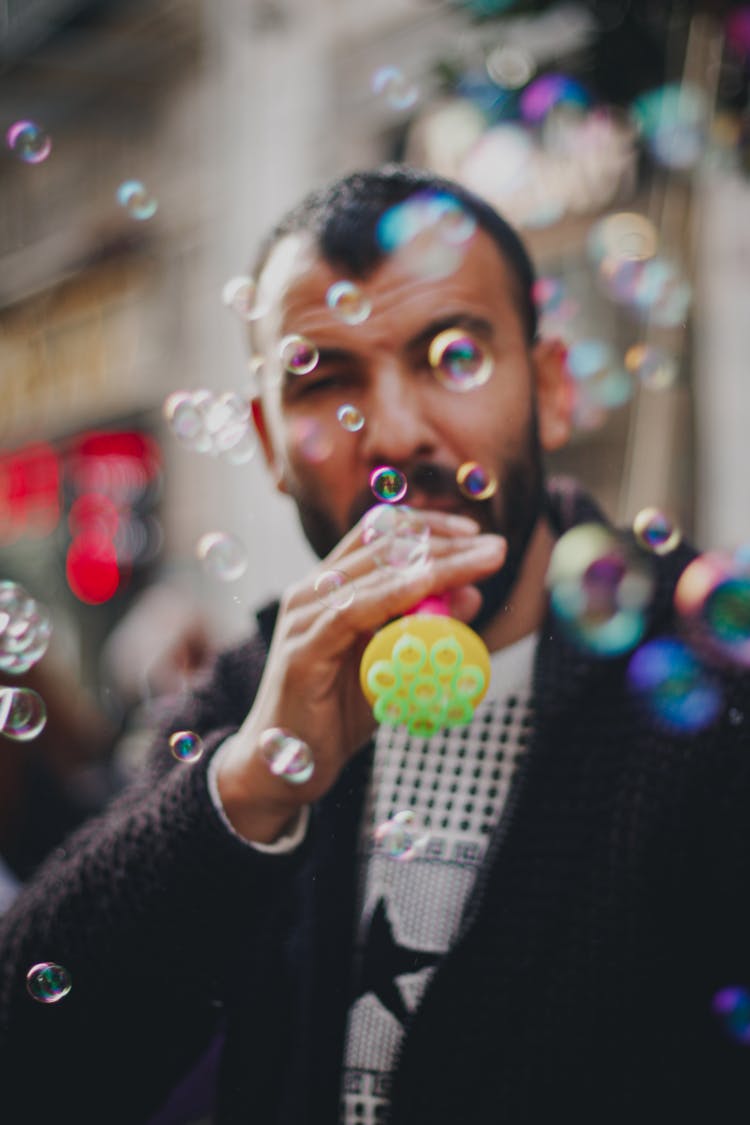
{"type": "Point", "coordinates": [244, 799]}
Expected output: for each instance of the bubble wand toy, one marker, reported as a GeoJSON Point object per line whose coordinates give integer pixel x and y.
{"type": "Point", "coordinates": [425, 670]}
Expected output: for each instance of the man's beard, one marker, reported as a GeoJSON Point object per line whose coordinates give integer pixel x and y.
{"type": "Point", "coordinates": [513, 512]}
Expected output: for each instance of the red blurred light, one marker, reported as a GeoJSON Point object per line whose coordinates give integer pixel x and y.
{"type": "Point", "coordinates": [93, 512]}
{"type": "Point", "coordinates": [91, 568]}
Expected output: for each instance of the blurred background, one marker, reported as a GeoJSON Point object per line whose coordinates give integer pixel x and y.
{"type": "Point", "coordinates": [147, 145]}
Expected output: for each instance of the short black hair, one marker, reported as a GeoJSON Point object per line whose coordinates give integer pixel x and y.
{"type": "Point", "coordinates": [343, 219]}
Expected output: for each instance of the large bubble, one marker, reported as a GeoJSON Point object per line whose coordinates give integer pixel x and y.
{"type": "Point", "coordinates": [600, 590]}
{"type": "Point", "coordinates": [25, 629]}
{"type": "Point", "coordinates": [712, 598]}
{"type": "Point", "coordinates": [675, 688]}
{"type": "Point", "coordinates": [429, 231]}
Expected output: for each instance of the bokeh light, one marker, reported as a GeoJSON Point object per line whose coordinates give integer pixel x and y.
{"type": "Point", "coordinates": [675, 688]}
{"type": "Point", "coordinates": [712, 599]}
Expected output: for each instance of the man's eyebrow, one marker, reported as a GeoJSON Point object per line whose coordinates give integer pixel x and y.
{"type": "Point", "coordinates": [478, 325]}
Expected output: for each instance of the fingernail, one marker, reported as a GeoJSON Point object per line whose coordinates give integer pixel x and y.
{"type": "Point", "coordinates": [463, 523]}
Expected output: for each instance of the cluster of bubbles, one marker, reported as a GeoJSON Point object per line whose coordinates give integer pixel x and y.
{"type": "Point", "coordinates": [399, 837]}
{"type": "Point", "coordinates": [623, 249]}
{"type": "Point", "coordinates": [287, 756]}
{"type": "Point", "coordinates": [459, 361]}
{"type": "Point", "coordinates": [186, 745]}
{"type": "Point", "coordinates": [23, 713]}
{"type": "Point", "coordinates": [48, 982]}
{"type": "Point", "coordinates": [476, 482]}
{"type": "Point", "coordinates": [25, 629]}
{"type": "Point", "coordinates": [395, 88]}
{"type": "Point", "coordinates": [334, 589]}
{"type": "Point", "coordinates": [388, 484]}
{"type": "Point", "coordinates": [400, 535]}
{"type": "Point", "coordinates": [222, 555]}
{"type": "Point", "coordinates": [135, 198]}
{"type": "Point", "coordinates": [732, 1007]}
{"type": "Point", "coordinates": [215, 424]}
{"type": "Point", "coordinates": [28, 141]}
{"type": "Point", "coordinates": [430, 232]}
{"type": "Point", "coordinates": [600, 590]}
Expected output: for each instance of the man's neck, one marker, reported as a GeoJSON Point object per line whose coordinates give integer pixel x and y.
{"type": "Point", "coordinates": [524, 611]}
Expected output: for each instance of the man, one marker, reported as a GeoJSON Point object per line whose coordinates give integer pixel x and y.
{"type": "Point", "coordinates": [579, 894]}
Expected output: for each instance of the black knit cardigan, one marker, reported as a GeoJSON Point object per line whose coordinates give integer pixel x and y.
{"type": "Point", "coordinates": [612, 905]}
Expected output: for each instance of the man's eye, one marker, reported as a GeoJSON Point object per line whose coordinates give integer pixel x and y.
{"type": "Point", "coordinates": [322, 383]}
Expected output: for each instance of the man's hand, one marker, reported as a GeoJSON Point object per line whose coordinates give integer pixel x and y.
{"type": "Point", "coordinates": [310, 685]}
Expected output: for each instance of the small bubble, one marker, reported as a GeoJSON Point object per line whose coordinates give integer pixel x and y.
{"type": "Point", "coordinates": [388, 484]}
{"type": "Point", "coordinates": [298, 355]}
{"type": "Point", "coordinates": [390, 83]}
{"type": "Point", "coordinates": [350, 417]}
{"type": "Point", "coordinates": [23, 714]}
{"type": "Point", "coordinates": [335, 589]}
{"type": "Point", "coordinates": [239, 294]}
{"type": "Point", "coordinates": [655, 531]}
{"type": "Point", "coordinates": [223, 556]}
{"type": "Point", "coordinates": [48, 982]}
{"type": "Point", "coordinates": [186, 745]}
{"type": "Point", "coordinates": [287, 756]}
{"type": "Point", "coordinates": [136, 199]}
{"type": "Point", "coordinates": [29, 142]}
{"type": "Point", "coordinates": [398, 838]}
{"type": "Point", "coordinates": [348, 302]}
{"type": "Point", "coordinates": [459, 361]}
{"type": "Point", "coordinates": [475, 481]}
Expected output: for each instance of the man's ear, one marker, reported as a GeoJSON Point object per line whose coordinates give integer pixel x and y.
{"type": "Point", "coordinates": [275, 464]}
{"type": "Point", "coordinates": [554, 392]}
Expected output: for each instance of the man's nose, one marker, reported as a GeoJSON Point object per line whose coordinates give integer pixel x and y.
{"type": "Point", "coordinates": [397, 429]}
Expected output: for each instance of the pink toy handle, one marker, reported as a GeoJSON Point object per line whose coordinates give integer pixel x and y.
{"type": "Point", "coordinates": [437, 604]}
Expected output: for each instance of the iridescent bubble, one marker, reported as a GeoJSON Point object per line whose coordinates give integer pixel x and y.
{"type": "Point", "coordinates": [475, 481]}
{"type": "Point", "coordinates": [401, 535]}
{"type": "Point", "coordinates": [656, 531]}
{"type": "Point", "coordinates": [240, 295]}
{"type": "Point", "coordinates": [390, 83]}
{"type": "Point", "coordinates": [48, 982]}
{"type": "Point", "coordinates": [350, 417]}
{"type": "Point", "coordinates": [732, 1006]}
{"type": "Point", "coordinates": [548, 91]}
{"type": "Point", "coordinates": [712, 598]}
{"type": "Point", "coordinates": [398, 837]}
{"type": "Point", "coordinates": [287, 756]}
{"type": "Point", "coordinates": [430, 232]}
{"type": "Point", "coordinates": [348, 302]}
{"type": "Point", "coordinates": [298, 355]}
{"type": "Point", "coordinates": [459, 361]}
{"type": "Point", "coordinates": [25, 629]}
{"type": "Point", "coordinates": [655, 367]}
{"type": "Point", "coordinates": [388, 484]}
{"type": "Point", "coordinates": [510, 66]}
{"type": "Point", "coordinates": [29, 141]}
{"type": "Point", "coordinates": [186, 745]}
{"type": "Point", "coordinates": [624, 236]}
{"type": "Point", "coordinates": [335, 589]}
{"type": "Point", "coordinates": [674, 687]}
{"type": "Point", "coordinates": [23, 714]}
{"type": "Point", "coordinates": [135, 197]}
{"type": "Point", "coordinates": [223, 556]}
{"type": "Point", "coordinates": [600, 590]}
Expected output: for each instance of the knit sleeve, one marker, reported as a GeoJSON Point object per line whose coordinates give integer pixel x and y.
{"type": "Point", "coordinates": [154, 910]}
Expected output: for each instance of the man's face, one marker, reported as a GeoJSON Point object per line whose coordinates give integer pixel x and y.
{"type": "Point", "coordinates": [412, 421]}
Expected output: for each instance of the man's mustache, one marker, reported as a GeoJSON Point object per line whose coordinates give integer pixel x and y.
{"type": "Point", "coordinates": [426, 477]}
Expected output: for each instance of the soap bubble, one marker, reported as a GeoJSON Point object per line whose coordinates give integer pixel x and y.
{"type": "Point", "coordinates": [287, 756]}
{"type": "Point", "coordinates": [335, 589]}
{"type": "Point", "coordinates": [398, 838]}
{"type": "Point", "coordinates": [388, 484]}
{"type": "Point", "coordinates": [398, 91]}
{"type": "Point", "coordinates": [600, 590]}
{"type": "Point", "coordinates": [23, 714]}
{"type": "Point", "coordinates": [186, 745]}
{"type": "Point", "coordinates": [674, 687]}
{"type": "Point", "coordinates": [549, 91]}
{"type": "Point", "coordinates": [240, 295]}
{"type": "Point", "coordinates": [459, 361]}
{"type": "Point", "coordinates": [298, 355]}
{"type": "Point", "coordinates": [622, 237]}
{"type": "Point", "coordinates": [429, 231]}
{"type": "Point", "coordinates": [223, 556]}
{"type": "Point", "coordinates": [48, 982]}
{"type": "Point", "coordinates": [732, 1006]}
{"type": "Point", "coordinates": [475, 481]}
{"type": "Point", "coordinates": [672, 120]}
{"type": "Point", "coordinates": [510, 66]}
{"type": "Point", "coordinates": [402, 536]}
{"type": "Point", "coordinates": [206, 423]}
{"type": "Point", "coordinates": [29, 141]}
{"type": "Point", "coordinates": [712, 598]}
{"type": "Point", "coordinates": [655, 367]}
{"type": "Point", "coordinates": [350, 417]}
{"type": "Point", "coordinates": [136, 199]}
{"type": "Point", "coordinates": [656, 531]}
{"type": "Point", "coordinates": [348, 302]}
{"type": "Point", "coordinates": [25, 629]}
